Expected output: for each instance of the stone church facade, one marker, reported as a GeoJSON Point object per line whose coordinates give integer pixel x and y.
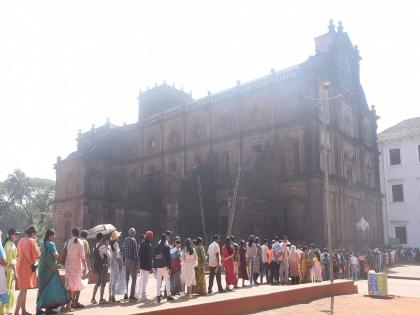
{"type": "Point", "coordinates": [146, 174]}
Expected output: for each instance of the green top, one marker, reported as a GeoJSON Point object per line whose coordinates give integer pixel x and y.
{"type": "Point", "coordinates": [201, 258]}
{"type": "Point", "coordinates": [11, 253]}
{"type": "Point", "coordinates": [47, 254]}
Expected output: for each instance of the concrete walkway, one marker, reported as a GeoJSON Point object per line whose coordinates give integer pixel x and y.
{"type": "Point", "coordinates": [242, 295]}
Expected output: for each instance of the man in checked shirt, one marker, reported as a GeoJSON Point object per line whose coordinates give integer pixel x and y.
{"type": "Point", "coordinates": [130, 257]}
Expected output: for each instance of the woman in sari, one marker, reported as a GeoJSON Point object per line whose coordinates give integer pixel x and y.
{"type": "Point", "coordinates": [28, 254]}
{"type": "Point", "coordinates": [11, 255]}
{"type": "Point", "coordinates": [243, 273]}
{"type": "Point", "coordinates": [51, 291]}
{"type": "Point", "coordinates": [228, 252]}
{"type": "Point", "coordinates": [200, 277]}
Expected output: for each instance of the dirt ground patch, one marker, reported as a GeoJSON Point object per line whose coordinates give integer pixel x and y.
{"type": "Point", "coordinates": [354, 304]}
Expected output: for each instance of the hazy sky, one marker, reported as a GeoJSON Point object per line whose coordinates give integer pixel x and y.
{"type": "Point", "coordinates": [65, 65]}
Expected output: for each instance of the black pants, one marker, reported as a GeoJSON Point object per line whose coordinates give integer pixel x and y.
{"type": "Point", "coordinates": [218, 272]}
{"type": "Point", "coordinates": [295, 279]}
{"type": "Point", "coordinates": [264, 271]}
{"type": "Point", "coordinates": [275, 274]}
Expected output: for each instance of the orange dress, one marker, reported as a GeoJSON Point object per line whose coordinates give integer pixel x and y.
{"type": "Point", "coordinates": [28, 253]}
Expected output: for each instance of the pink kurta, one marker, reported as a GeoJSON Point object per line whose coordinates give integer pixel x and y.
{"type": "Point", "coordinates": [74, 267]}
{"type": "Point", "coordinates": [28, 253]}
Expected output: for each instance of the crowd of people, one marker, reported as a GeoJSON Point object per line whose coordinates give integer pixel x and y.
{"type": "Point", "coordinates": [179, 265]}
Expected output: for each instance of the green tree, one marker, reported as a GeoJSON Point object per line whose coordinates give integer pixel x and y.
{"type": "Point", "coordinates": [26, 201]}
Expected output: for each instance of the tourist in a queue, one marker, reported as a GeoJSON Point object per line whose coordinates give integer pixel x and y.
{"type": "Point", "coordinates": [257, 261]}
{"type": "Point", "coordinates": [271, 264]}
{"type": "Point", "coordinates": [276, 260]}
{"type": "Point", "coordinates": [311, 254]}
{"type": "Point", "coordinates": [228, 253]}
{"type": "Point", "coordinates": [51, 292]}
{"type": "Point", "coordinates": [76, 267]}
{"type": "Point", "coordinates": [189, 261]}
{"type": "Point", "coordinates": [264, 261]}
{"type": "Point", "coordinates": [83, 238]}
{"type": "Point", "coordinates": [294, 262]}
{"type": "Point", "coordinates": [28, 254]}
{"type": "Point", "coordinates": [117, 281]}
{"type": "Point", "coordinates": [215, 265]}
{"type": "Point", "coordinates": [101, 257]}
{"type": "Point", "coordinates": [4, 297]}
{"type": "Point", "coordinates": [130, 257]}
{"type": "Point", "coordinates": [145, 257]}
{"type": "Point", "coordinates": [305, 266]}
{"type": "Point", "coordinates": [162, 264]}
{"type": "Point", "coordinates": [353, 267]}
{"type": "Point", "coordinates": [317, 266]}
{"type": "Point", "coordinates": [284, 261]}
{"type": "Point", "coordinates": [200, 277]}
{"type": "Point", "coordinates": [336, 264]}
{"type": "Point", "coordinates": [235, 257]}
{"type": "Point", "coordinates": [251, 252]}
{"type": "Point", "coordinates": [242, 271]}
{"type": "Point", "coordinates": [176, 286]}
{"type": "Point", "coordinates": [11, 256]}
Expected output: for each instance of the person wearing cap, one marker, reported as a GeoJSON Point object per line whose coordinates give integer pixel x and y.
{"type": "Point", "coordinates": [28, 255]}
{"type": "Point", "coordinates": [117, 282]}
{"type": "Point", "coordinates": [11, 256]}
{"type": "Point", "coordinates": [145, 257]}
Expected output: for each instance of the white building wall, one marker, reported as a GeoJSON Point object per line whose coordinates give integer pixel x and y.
{"type": "Point", "coordinates": [406, 213]}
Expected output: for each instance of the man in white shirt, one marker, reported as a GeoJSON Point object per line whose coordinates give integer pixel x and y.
{"type": "Point", "coordinates": [265, 263]}
{"type": "Point", "coordinates": [215, 265]}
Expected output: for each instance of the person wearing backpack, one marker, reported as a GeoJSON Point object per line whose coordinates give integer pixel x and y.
{"type": "Point", "coordinates": [101, 256]}
{"type": "Point", "coordinates": [162, 264]}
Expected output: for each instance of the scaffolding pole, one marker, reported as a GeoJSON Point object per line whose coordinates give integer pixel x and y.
{"type": "Point", "coordinates": [203, 220]}
{"type": "Point", "coordinates": [235, 195]}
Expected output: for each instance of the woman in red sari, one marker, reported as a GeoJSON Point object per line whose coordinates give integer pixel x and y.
{"type": "Point", "coordinates": [228, 252]}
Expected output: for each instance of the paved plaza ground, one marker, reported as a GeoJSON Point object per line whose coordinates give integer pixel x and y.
{"type": "Point", "coordinates": [405, 299]}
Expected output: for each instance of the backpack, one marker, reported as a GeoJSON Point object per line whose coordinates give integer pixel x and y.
{"type": "Point", "coordinates": [98, 262]}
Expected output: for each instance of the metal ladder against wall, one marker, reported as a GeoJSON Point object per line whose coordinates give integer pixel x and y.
{"type": "Point", "coordinates": [235, 195]}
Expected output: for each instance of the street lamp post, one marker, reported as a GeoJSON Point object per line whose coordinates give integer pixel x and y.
{"type": "Point", "coordinates": [326, 99]}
